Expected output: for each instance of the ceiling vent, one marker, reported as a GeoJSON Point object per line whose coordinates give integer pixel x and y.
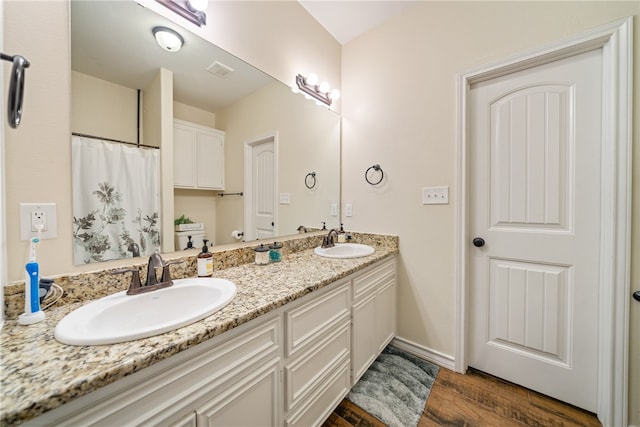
{"type": "Point", "coordinates": [218, 69]}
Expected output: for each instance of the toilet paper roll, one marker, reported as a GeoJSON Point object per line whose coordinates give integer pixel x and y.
{"type": "Point", "coordinates": [237, 234]}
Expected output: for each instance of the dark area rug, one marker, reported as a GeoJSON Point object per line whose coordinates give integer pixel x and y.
{"type": "Point", "coordinates": [395, 388]}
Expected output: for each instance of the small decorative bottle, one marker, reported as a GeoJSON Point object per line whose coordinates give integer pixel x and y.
{"type": "Point", "coordinates": [205, 261]}
{"type": "Point", "coordinates": [275, 252]}
{"type": "Point", "coordinates": [342, 236]}
{"type": "Point", "coordinates": [262, 255]}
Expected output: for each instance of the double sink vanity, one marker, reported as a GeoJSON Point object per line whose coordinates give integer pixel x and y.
{"type": "Point", "coordinates": [279, 344]}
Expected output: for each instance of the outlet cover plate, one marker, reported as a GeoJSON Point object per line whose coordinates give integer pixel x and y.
{"type": "Point", "coordinates": [348, 210]}
{"type": "Point", "coordinates": [26, 210]}
{"type": "Point", "coordinates": [435, 195]}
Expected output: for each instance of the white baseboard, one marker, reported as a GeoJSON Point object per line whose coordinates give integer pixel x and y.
{"type": "Point", "coordinates": [425, 353]}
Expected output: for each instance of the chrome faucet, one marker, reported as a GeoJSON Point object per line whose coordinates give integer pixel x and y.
{"type": "Point", "coordinates": [151, 283]}
{"type": "Point", "coordinates": [327, 241]}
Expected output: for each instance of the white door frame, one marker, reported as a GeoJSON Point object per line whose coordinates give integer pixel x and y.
{"type": "Point", "coordinates": [248, 180]}
{"type": "Point", "coordinates": [615, 40]}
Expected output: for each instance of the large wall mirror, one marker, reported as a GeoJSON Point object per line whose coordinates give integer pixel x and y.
{"type": "Point", "coordinates": [119, 79]}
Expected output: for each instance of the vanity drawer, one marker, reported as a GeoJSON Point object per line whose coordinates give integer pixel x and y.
{"type": "Point", "coordinates": [306, 323]}
{"type": "Point", "coordinates": [370, 279]}
{"type": "Point", "coordinates": [303, 375]}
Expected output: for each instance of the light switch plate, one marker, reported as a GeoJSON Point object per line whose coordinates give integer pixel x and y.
{"type": "Point", "coordinates": [29, 211]}
{"type": "Point", "coordinates": [285, 198]}
{"type": "Point", "coordinates": [334, 209]}
{"type": "Point", "coordinates": [435, 195]}
{"type": "Point", "coordinates": [348, 210]}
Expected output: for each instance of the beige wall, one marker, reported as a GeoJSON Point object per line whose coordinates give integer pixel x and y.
{"type": "Point", "coordinates": [38, 155]}
{"type": "Point", "coordinates": [3, 230]}
{"type": "Point", "coordinates": [104, 109]}
{"type": "Point", "coordinates": [305, 132]}
{"type": "Point", "coordinates": [408, 126]}
{"type": "Point", "coordinates": [194, 115]}
{"type": "Point", "coordinates": [200, 206]}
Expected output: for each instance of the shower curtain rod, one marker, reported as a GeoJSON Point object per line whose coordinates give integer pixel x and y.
{"type": "Point", "coordinates": [114, 140]}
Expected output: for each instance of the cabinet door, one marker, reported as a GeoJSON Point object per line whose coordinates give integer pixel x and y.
{"type": "Point", "coordinates": [365, 339]}
{"type": "Point", "coordinates": [251, 401]}
{"type": "Point", "coordinates": [210, 160]}
{"type": "Point", "coordinates": [184, 153]}
{"type": "Point", "coordinates": [385, 314]}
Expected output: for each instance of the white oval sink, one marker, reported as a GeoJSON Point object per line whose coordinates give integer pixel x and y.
{"type": "Point", "coordinates": [119, 317]}
{"type": "Point", "coordinates": [345, 250]}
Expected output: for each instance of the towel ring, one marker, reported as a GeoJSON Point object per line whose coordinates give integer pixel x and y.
{"type": "Point", "coordinates": [310, 180]}
{"type": "Point", "coordinates": [376, 168]}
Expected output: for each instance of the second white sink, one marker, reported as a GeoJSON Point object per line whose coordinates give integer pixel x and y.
{"type": "Point", "coordinates": [119, 317]}
{"type": "Point", "coordinates": [345, 250]}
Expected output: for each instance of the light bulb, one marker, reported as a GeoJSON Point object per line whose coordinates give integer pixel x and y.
{"type": "Point", "coordinates": [324, 87]}
{"type": "Point", "coordinates": [199, 5]}
{"type": "Point", "coordinates": [312, 79]}
{"type": "Point", "coordinates": [334, 94]}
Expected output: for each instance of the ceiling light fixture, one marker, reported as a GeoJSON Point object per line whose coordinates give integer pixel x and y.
{"type": "Point", "coordinates": [193, 10]}
{"type": "Point", "coordinates": [320, 92]}
{"type": "Point", "coordinates": [168, 39]}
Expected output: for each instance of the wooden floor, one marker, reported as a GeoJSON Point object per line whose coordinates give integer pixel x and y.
{"type": "Point", "coordinates": [476, 399]}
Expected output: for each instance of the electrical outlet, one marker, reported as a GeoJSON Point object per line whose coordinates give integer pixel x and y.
{"type": "Point", "coordinates": [435, 195]}
{"type": "Point", "coordinates": [334, 209]}
{"type": "Point", "coordinates": [38, 220]}
{"type": "Point", "coordinates": [348, 210]}
{"type": "Point", "coordinates": [34, 214]}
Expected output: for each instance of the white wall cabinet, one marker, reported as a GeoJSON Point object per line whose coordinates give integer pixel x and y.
{"type": "Point", "coordinates": [290, 367]}
{"type": "Point", "coordinates": [198, 156]}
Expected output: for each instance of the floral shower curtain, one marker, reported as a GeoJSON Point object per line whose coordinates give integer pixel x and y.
{"type": "Point", "coordinates": [116, 200]}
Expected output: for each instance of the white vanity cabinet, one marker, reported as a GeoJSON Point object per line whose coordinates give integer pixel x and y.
{"type": "Point", "coordinates": [289, 367]}
{"type": "Point", "coordinates": [198, 156]}
{"type": "Point", "coordinates": [373, 314]}
{"type": "Point", "coordinates": [209, 384]}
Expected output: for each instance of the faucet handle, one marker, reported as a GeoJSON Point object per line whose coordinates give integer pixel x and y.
{"type": "Point", "coordinates": [135, 277]}
{"type": "Point", "coordinates": [166, 272]}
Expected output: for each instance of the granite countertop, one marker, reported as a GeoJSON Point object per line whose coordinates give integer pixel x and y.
{"type": "Point", "coordinates": [38, 374]}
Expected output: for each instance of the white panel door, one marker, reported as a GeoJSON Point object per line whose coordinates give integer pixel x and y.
{"type": "Point", "coordinates": [535, 201]}
{"type": "Point", "coordinates": [264, 190]}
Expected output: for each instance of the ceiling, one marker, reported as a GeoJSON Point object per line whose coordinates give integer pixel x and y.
{"type": "Point", "coordinates": [347, 19]}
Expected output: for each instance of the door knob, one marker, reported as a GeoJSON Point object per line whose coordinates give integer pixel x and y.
{"type": "Point", "coordinates": [636, 296]}
{"type": "Point", "coordinates": [478, 242]}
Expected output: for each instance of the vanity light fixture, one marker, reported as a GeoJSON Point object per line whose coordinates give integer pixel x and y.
{"type": "Point", "coordinates": [168, 39]}
{"type": "Point", "coordinates": [321, 92]}
{"type": "Point", "coordinates": [193, 10]}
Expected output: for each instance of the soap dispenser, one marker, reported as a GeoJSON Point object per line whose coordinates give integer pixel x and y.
{"type": "Point", "coordinates": [205, 261]}
{"type": "Point", "coordinates": [342, 236]}
{"type": "Point", "coordinates": [189, 243]}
